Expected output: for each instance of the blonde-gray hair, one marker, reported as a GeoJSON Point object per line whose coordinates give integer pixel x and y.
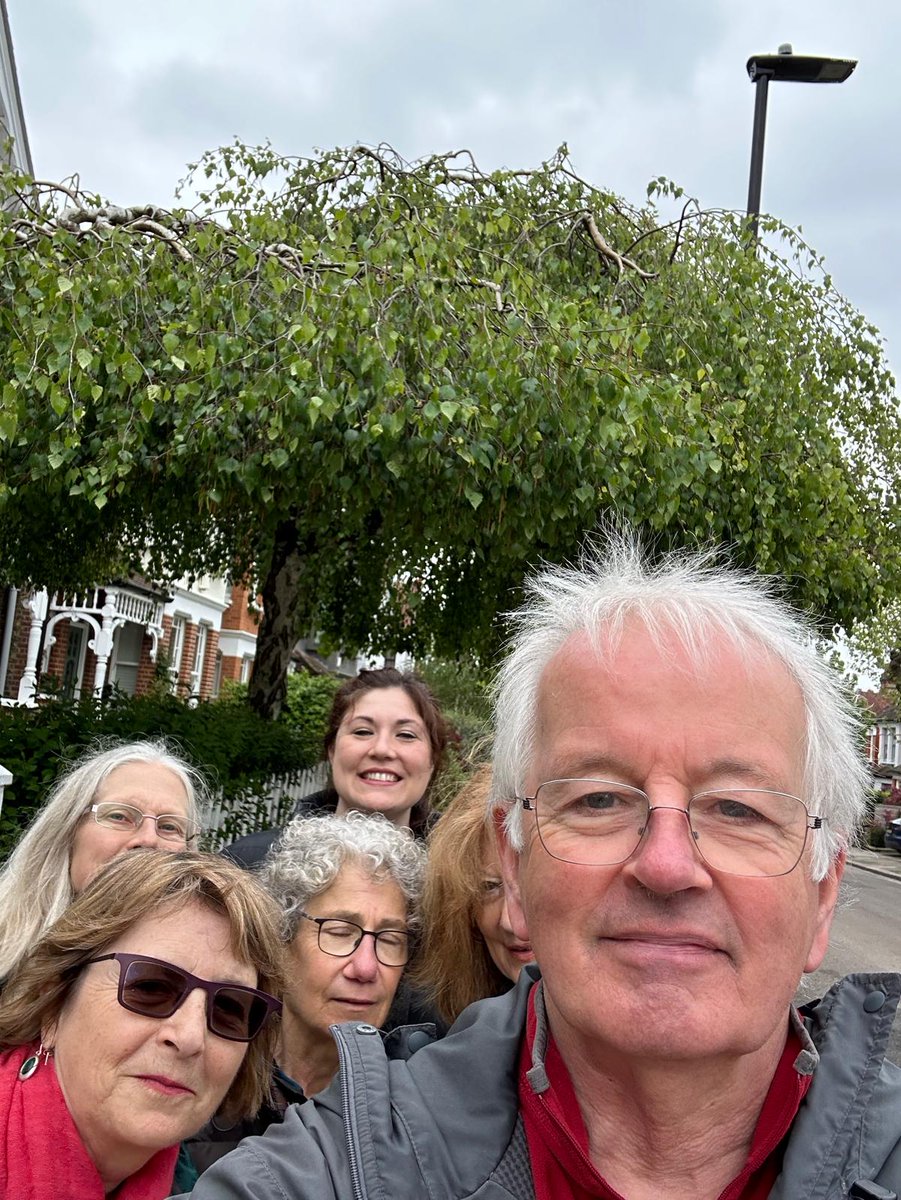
{"type": "Point", "coordinates": [127, 890]}
{"type": "Point", "coordinates": [34, 884]}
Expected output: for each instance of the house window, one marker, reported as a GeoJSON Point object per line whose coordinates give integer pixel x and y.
{"type": "Point", "coordinates": [199, 656]}
{"type": "Point", "coordinates": [176, 647]}
{"type": "Point", "coordinates": [217, 676]}
{"type": "Point", "coordinates": [127, 643]}
{"type": "Point", "coordinates": [887, 747]}
{"type": "Point", "coordinates": [246, 668]}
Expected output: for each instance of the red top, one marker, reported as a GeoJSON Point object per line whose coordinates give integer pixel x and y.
{"type": "Point", "coordinates": [42, 1156]}
{"type": "Point", "coordinates": [558, 1141]}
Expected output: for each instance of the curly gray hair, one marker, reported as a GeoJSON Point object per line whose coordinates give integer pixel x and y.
{"type": "Point", "coordinates": [308, 857]}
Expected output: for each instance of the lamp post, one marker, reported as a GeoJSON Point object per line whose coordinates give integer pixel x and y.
{"type": "Point", "coordinates": [789, 68]}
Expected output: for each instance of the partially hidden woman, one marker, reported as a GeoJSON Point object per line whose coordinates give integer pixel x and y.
{"type": "Point", "coordinates": [469, 949]}
{"type": "Point", "coordinates": [348, 891]}
{"type": "Point", "coordinates": [124, 797]}
{"type": "Point", "coordinates": [144, 1009]}
{"type": "Point", "coordinates": [385, 743]}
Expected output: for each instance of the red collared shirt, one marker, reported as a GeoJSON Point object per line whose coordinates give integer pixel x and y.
{"type": "Point", "coordinates": [558, 1141]}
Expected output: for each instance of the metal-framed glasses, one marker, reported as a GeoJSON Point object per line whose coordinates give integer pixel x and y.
{"type": "Point", "coordinates": [153, 987]}
{"type": "Point", "coordinates": [171, 827]}
{"type": "Point", "coordinates": [340, 938]}
{"type": "Point", "coordinates": [740, 831]}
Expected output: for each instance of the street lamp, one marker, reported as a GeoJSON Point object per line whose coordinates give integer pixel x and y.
{"type": "Point", "coordinates": [790, 68]}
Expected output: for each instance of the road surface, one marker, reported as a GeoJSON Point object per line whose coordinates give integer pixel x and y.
{"type": "Point", "coordinates": [866, 936]}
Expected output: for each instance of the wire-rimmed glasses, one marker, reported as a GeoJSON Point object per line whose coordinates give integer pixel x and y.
{"type": "Point", "coordinates": [171, 827]}
{"type": "Point", "coordinates": [340, 938]}
{"type": "Point", "coordinates": [740, 831]}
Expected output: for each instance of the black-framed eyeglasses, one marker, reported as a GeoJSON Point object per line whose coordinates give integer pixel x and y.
{"type": "Point", "coordinates": [153, 987]}
{"type": "Point", "coordinates": [739, 831]}
{"type": "Point", "coordinates": [171, 827]}
{"type": "Point", "coordinates": [340, 938]}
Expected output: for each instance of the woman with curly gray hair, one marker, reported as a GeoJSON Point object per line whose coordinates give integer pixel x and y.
{"type": "Point", "coordinates": [348, 889]}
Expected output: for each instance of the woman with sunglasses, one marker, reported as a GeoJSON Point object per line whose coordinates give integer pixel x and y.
{"type": "Point", "coordinates": [124, 797]}
{"type": "Point", "coordinates": [144, 1009]}
{"type": "Point", "coordinates": [348, 890]}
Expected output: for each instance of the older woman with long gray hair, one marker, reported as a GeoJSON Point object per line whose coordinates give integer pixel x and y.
{"type": "Point", "coordinates": [348, 889]}
{"type": "Point", "coordinates": [127, 796]}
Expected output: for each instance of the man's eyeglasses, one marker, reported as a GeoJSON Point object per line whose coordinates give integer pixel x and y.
{"type": "Point", "coordinates": [171, 827]}
{"type": "Point", "coordinates": [740, 831]}
{"type": "Point", "coordinates": [340, 938]}
{"type": "Point", "coordinates": [153, 987]}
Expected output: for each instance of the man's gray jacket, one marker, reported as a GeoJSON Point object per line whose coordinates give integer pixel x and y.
{"type": "Point", "coordinates": [444, 1124]}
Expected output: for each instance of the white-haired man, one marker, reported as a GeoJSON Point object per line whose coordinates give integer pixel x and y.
{"type": "Point", "coordinates": [676, 780]}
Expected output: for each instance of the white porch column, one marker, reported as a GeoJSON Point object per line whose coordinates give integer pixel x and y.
{"type": "Point", "coordinates": [102, 642]}
{"type": "Point", "coordinates": [28, 685]}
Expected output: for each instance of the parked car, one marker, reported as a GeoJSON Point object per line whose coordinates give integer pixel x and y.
{"type": "Point", "coordinates": [893, 834]}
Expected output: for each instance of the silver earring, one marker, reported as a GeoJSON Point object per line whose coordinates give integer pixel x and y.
{"type": "Point", "coordinates": [31, 1064]}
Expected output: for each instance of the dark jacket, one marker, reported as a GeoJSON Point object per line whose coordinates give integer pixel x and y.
{"type": "Point", "coordinates": [446, 1124]}
{"type": "Point", "coordinates": [217, 1138]}
{"type": "Point", "coordinates": [250, 851]}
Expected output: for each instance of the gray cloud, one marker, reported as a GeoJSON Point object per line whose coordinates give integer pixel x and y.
{"type": "Point", "coordinates": [127, 95]}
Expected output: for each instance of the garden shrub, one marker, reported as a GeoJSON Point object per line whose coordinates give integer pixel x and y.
{"type": "Point", "coordinates": [236, 750]}
{"type": "Point", "coordinates": [876, 836]}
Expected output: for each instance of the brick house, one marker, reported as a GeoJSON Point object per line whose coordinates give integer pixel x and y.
{"type": "Point", "coordinates": [884, 753]}
{"type": "Point", "coordinates": [132, 635]}
{"type": "Point", "coordinates": [128, 634]}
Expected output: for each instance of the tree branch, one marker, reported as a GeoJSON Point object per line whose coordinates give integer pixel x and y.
{"type": "Point", "coordinates": [606, 251]}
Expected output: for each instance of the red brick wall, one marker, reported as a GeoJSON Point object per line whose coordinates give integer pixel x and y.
{"type": "Point", "coordinates": [146, 666]}
{"type": "Point", "coordinates": [231, 667]}
{"type": "Point", "coordinates": [209, 663]}
{"type": "Point", "coordinates": [237, 615]}
{"type": "Point", "coordinates": [18, 651]}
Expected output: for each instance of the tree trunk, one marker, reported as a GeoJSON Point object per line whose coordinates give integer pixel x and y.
{"type": "Point", "coordinates": [278, 627]}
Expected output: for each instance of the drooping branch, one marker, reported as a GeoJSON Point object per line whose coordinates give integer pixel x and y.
{"type": "Point", "coordinates": [606, 251]}
{"type": "Point", "coordinates": [85, 219]}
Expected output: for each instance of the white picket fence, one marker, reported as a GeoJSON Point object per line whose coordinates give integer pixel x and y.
{"type": "Point", "coordinates": [223, 822]}
{"type": "Point", "coordinates": [6, 779]}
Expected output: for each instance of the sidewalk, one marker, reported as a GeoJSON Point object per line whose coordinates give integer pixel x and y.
{"type": "Point", "coordinates": [879, 862]}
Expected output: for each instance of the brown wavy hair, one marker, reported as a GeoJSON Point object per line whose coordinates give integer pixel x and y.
{"type": "Point", "coordinates": [128, 889]}
{"type": "Point", "coordinates": [422, 699]}
{"type": "Point", "coordinates": [454, 967]}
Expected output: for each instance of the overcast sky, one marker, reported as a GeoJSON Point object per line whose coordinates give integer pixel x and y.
{"type": "Point", "coordinates": [126, 94]}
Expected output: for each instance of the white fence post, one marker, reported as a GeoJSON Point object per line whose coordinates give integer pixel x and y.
{"type": "Point", "coordinates": [6, 778]}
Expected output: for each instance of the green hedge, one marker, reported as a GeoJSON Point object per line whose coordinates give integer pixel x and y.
{"type": "Point", "coordinates": [236, 750]}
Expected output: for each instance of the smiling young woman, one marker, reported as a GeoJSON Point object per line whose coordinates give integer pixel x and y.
{"type": "Point", "coordinates": [385, 742]}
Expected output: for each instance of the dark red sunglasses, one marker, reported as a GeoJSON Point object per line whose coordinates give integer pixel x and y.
{"type": "Point", "coordinates": [152, 987]}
